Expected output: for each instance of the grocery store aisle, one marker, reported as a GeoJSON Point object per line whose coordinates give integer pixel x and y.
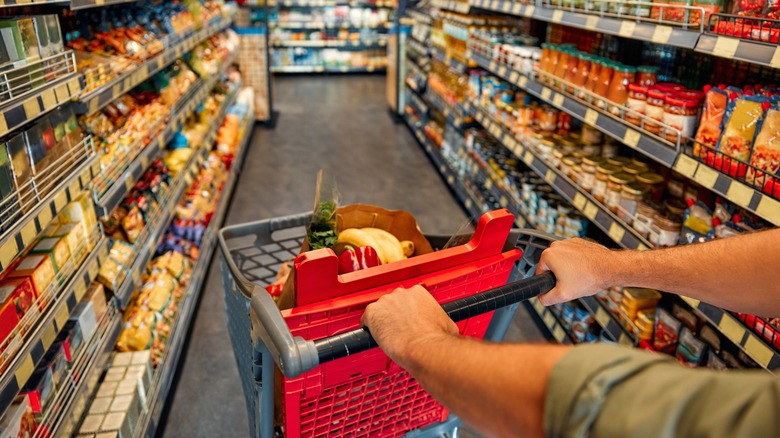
{"type": "Point", "coordinates": [339, 122]}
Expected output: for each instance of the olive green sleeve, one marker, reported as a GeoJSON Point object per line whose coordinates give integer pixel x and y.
{"type": "Point", "coordinates": [602, 390]}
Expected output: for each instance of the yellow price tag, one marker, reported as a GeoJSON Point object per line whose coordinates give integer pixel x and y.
{"type": "Point", "coordinates": [775, 62]}
{"type": "Point", "coordinates": [61, 317]}
{"type": "Point", "coordinates": [528, 158]}
{"type": "Point", "coordinates": [507, 7]}
{"type": "Point", "coordinates": [513, 77]}
{"type": "Point", "coordinates": [549, 176]}
{"type": "Point", "coordinates": [493, 66]}
{"type": "Point", "coordinates": [61, 93]}
{"type": "Point", "coordinates": [591, 22]}
{"type": "Point", "coordinates": [590, 211]}
{"type": "Point", "coordinates": [522, 82]}
{"type": "Point", "coordinates": [74, 86]}
{"type": "Point", "coordinates": [740, 194]}
{"type": "Point", "coordinates": [31, 107]}
{"type": "Point", "coordinates": [79, 289]}
{"type": "Point", "coordinates": [558, 333]}
{"type": "Point", "coordinates": [627, 29]}
{"type": "Point", "coordinates": [758, 351]}
{"type": "Point", "coordinates": [467, 204]}
{"type": "Point", "coordinates": [450, 180]}
{"type": "Point", "coordinates": [488, 184]}
{"type": "Point", "coordinates": [93, 269]}
{"type": "Point", "coordinates": [686, 166]}
{"type": "Point", "coordinates": [558, 99]}
{"type": "Point", "coordinates": [768, 209]}
{"type": "Point", "coordinates": [706, 176]}
{"type": "Point", "coordinates": [616, 232]}
{"type": "Point", "coordinates": [662, 34]}
{"type": "Point", "coordinates": [725, 47]}
{"type": "Point", "coordinates": [546, 92]}
{"type": "Point", "coordinates": [24, 371]}
{"type": "Point", "coordinates": [49, 99]}
{"type": "Point", "coordinates": [731, 329]}
{"type": "Point", "coordinates": [8, 251]}
{"type": "Point", "coordinates": [631, 138]}
{"type": "Point", "coordinates": [28, 233]}
{"type": "Point", "coordinates": [520, 222]}
{"type": "Point", "coordinates": [602, 317]}
{"type": "Point", "coordinates": [591, 117]}
{"type": "Point", "coordinates": [693, 302]}
{"type": "Point", "coordinates": [517, 8]}
{"type": "Point", "coordinates": [3, 125]}
{"type": "Point", "coordinates": [529, 10]}
{"type": "Point", "coordinates": [625, 340]}
{"type": "Point", "coordinates": [557, 16]}
{"type": "Point", "coordinates": [549, 320]}
{"type": "Point", "coordinates": [44, 217]}
{"type": "Point", "coordinates": [579, 201]}
{"type": "Point", "coordinates": [48, 336]}
{"type": "Point", "coordinates": [136, 276]}
{"type": "Point", "coordinates": [502, 71]}
{"type": "Point", "coordinates": [503, 201]}
{"type": "Point", "coordinates": [129, 181]}
{"type": "Point", "coordinates": [93, 105]}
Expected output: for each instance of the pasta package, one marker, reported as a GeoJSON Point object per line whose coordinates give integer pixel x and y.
{"type": "Point", "coordinates": [709, 131]}
{"type": "Point", "coordinates": [737, 138]}
{"type": "Point", "coordinates": [766, 148]}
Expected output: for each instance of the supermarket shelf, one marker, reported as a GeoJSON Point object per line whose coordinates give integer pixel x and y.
{"type": "Point", "coordinates": [310, 25]}
{"type": "Point", "coordinates": [49, 325]}
{"type": "Point", "coordinates": [596, 212]}
{"type": "Point", "coordinates": [610, 323]}
{"type": "Point", "coordinates": [122, 185]}
{"type": "Point", "coordinates": [450, 5]}
{"type": "Point", "coordinates": [453, 114]}
{"type": "Point", "coordinates": [97, 99]}
{"type": "Point", "coordinates": [164, 375]}
{"type": "Point", "coordinates": [627, 134]}
{"type": "Point", "coordinates": [417, 101]}
{"type": "Point", "coordinates": [743, 50]}
{"type": "Point", "coordinates": [419, 15]}
{"type": "Point", "coordinates": [415, 90]}
{"type": "Point", "coordinates": [457, 66]}
{"type": "Point", "coordinates": [39, 101]}
{"type": "Point", "coordinates": [550, 321]}
{"type": "Point", "coordinates": [85, 372]}
{"type": "Point", "coordinates": [739, 193]}
{"type": "Point", "coordinates": [323, 3]}
{"type": "Point", "coordinates": [644, 30]}
{"type": "Point", "coordinates": [14, 241]}
{"type": "Point", "coordinates": [353, 45]}
{"type": "Point", "coordinates": [736, 332]}
{"type": "Point", "coordinates": [84, 4]}
{"type": "Point", "coordinates": [417, 46]}
{"type": "Point", "coordinates": [321, 69]}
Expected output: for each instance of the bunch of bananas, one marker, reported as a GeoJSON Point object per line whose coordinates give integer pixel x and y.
{"type": "Point", "coordinates": [388, 247]}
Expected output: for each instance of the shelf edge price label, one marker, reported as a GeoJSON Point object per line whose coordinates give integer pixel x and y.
{"type": "Point", "coordinates": [591, 116]}
{"type": "Point", "coordinates": [549, 176]}
{"type": "Point", "coordinates": [25, 370]}
{"type": "Point", "coordinates": [488, 184]}
{"type": "Point", "coordinates": [579, 201]}
{"type": "Point", "coordinates": [549, 320]}
{"type": "Point", "coordinates": [591, 22]}
{"type": "Point", "coordinates": [616, 232]}
{"type": "Point", "coordinates": [557, 16]}
{"type": "Point", "coordinates": [601, 317]}
{"type": "Point", "coordinates": [507, 7]}
{"type": "Point", "coordinates": [8, 251]}
{"type": "Point", "coordinates": [631, 138]}
{"type": "Point", "coordinates": [686, 166]}
{"type": "Point", "coordinates": [662, 34]}
{"type": "Point", "coordinates": [558, 99]}
{"type": "Point", "coordinates": [731, 329]}
{"type": "Point", "coordinates": [513, 77]}
{"type": "Point", "coordinates": [493, 66]}
{"type": "Point", "coordinates": [517, 8]}
{"type": "Point", "coordinates": [693, 302]}
{"type": "Point", "coordinates": [758, 351]}
{"type": "Point", "coordinates": [528, 157]}
{"type": "Point", "coordinates": [706, 176]}
{"type": "Point", "coordinates": [3, 124]}
{"type": "Point", "coordinates": [740, 194]}
{"type": "Point", "coordinates": [522, 81]}
{"type": "Point", "coordinates": [775, 62]}
{"type": "Point", "coordinates": [31, 108]}
{"type": "Point", "coordinates": [529, 10]}
{"type": "Point", "coordinates": [590, 211]}
{"type": "Point", "coordinates": [503, 201]}
{"type": "Point", "coordinates": [627, 29]}
{"type": "Point", "coordinates": [558, 333]}
{"type": "Point", "coordinates": [502, 71]}
{"type": "Point", "coordinates": [467, 204]}
{"type": "Point", "coordinates": [767, 208]}
{"type": "Point", "coordinates": [546, 92]}
{"type": "Point", "coordinates": [725, 47]}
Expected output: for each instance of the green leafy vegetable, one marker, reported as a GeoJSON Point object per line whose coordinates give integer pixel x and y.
{"type": "Point", "coordinates": [322, 230]}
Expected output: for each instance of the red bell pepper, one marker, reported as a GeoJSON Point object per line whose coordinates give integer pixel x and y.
{"type": "Point", "coordinates": [356, 259]}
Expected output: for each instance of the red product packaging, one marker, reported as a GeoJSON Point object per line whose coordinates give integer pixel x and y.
{"type": "Point", "coordinates": [17, 294]}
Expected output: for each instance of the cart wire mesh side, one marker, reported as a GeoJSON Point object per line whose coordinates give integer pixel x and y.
{"type": "Point", "coordinates": [252, 254]}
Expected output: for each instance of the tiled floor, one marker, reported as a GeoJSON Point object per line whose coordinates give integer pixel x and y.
{"type": "Point", "coordinates": [340, 122]}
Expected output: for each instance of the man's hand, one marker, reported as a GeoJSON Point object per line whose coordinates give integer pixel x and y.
{"type": "Point", "coordinates": [404, 319]}
{"type": "Point", "coordinates": [581, 268]}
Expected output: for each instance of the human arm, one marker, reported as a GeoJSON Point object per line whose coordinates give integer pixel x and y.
{"type": "Point", "coordinates": [498, 388]}
{"type": "Point", "coordinates": [740, 273]}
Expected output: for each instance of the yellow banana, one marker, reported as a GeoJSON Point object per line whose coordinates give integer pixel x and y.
{"type": "Point", "coordinates": [408, 247]}
{"type": "Point", "coordinates": [391, 247]}
{"type": "Point", "coordinates": [355, 238]}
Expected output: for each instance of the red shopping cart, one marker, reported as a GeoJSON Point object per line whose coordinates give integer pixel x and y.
{"type": "Point", "coordinates": [334, 383]}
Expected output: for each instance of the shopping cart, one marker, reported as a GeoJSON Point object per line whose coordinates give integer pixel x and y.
{"type": "Point", "coordinates": [331, 385]}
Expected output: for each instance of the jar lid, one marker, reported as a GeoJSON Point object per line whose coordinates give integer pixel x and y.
{"type": "Point", "coordinates": [647, 69]}
{"type": "Point", "coordinates": [691, 94]}
{"type": "Point", "coordinates": [657, 93]}
{"type": "Point", "coordinates": [668, 86]}
{"type": "Point", "coordinates": [635, 188]}
{"type": "Point", "coordinates": [676, 100]}
{"type": "Point", "coordinates": [650, 178]}
{"type": "Point", "coordinates": [641, 293]}
{"type": "Point", "coordinates": [592, 160]}
{"type": "Point", "coordinates": [671, 222]}
{"type": "Point", "coordinates": [625, 68]}
{"type": "Point", "coordinates": [570, 161]}
{"type": "Point", "coordinates": [618, 160]}
{"type": "Point", "coordinates": [621, 178]}
{"type": "Point", "coordinates": [636, 88]}
{"type": "Point", "coordinates": [558, 152]}
{"type": "Point", "coordinates": [634, 169]}
{"type": "Point", "coordinates": [578, 154]}
{"type": "Point", "coordinates": [608, 169]}
{"type": "Point", "coordinates": [646, 210]}
{"type": "Point", "coordinates": [675, 206]}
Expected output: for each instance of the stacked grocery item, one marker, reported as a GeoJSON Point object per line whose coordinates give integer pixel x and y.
{"type": "Point", "coordinates": [111, 41]}
{"type": "Point", "coordinates": [751, 20]}
{"type": "Point", "coordinates": [679, 13]}
{"type": "Point", "coordinates": [29, 54]}
{"type": "Point", "coordinates": [34, 160]}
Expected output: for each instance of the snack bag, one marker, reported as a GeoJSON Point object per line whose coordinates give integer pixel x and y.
{"type": "Point", "coordinates": [766, 147]}
{"type": "Point", "coordinates": [737, 139]}
{"type": "Point", "coordinates": [709, 131]}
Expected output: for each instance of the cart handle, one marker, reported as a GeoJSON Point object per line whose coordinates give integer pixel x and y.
{"type": "Point", "coordinates": [355, 341]}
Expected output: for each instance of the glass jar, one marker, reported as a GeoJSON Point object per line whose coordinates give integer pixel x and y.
{"type": "Point", "coordinates": [548, 120]}
{"type": "Point", "coordinates": [524, 116]}
{"type": "Point", "coordinates": [654, 183]}
{"type": "Point", "coordinates": [643, 219]}
{"type": "Point", "coordinates": [618, 86]}
{"type": "Point", "coordinates": [630, 197]}
{"type": "Point", "coordinates": [588, 166]}
{"type": "Point", "coordinates": [545, 147]}
{"type": "Point", "coordinates": [545, 57]}
{"type": "Point", "coordinates": [654, 109]}
{"type": "Point", "coordinates": [668, 87]}
{"type": "Point", "coordinates": [557, 156]}
{"type": "Point", "coordinates": [596, 65]}
{"type": "Point", "coordinates": [563, 63]}
{"type": "Point", "coordinates": [603, 172]}
{"type": "Point", "coordinates": [552, 64]}
{"type": "Point", "coordinates": [682, 115]}
{"type": "Point", "coordinates": [619, 161]}
{"type": "Point", "coordinates": [610, 148]}
{"type": "Point", "coordinates": [665, 230]}
{"type": "Point", "coordinates": [572, 70]}
{"type": "Point", "coordinates": [615, 185]}
{"type": "Point", "coordinates": [570, 166]}
{"type": "Point", "coordinates": [637, 99]}
{"type": "Point", "coordinates": [591, 135]}
{"type": "Point", "coordinates": [634, 169]}
{"type": "Point", "coordinates": [605, 79]}
{"type": "Point", "coordinates": [647, 76]}
{"type": "Point", "coordinates": [583, 70]}
{"type": "Point", "coordinates": [675, 207]}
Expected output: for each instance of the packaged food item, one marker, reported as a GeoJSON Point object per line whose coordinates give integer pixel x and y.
{"type": "Point", "coordinates": [690, 350]}
{"type": "Point", "coordinates": [97, 295]}
{"type": "Point", "coordinates": [111, 274]}
{"type": "Point", "coordinates": [667, 329]}
{"type": "Point", "coordinates": [16, 148]}
{"type": "Point", "coordinates": [9, 320]}
{"type": "Point", "coordinates": [56, 248]}
{"type": "Point", "coordinates": [686, 317]}
{"type": "Point", "coordinates": [39, 268]}
{"type": "Point", "coordinates": [740, 128]}
{"type": "Point", "coordinates": [19, 420]}
{"type": "Point", "coordinates": [55, 360]}
{"type": "Point", "coordinates": [74, 236]}
{"type": "Point", "coordinates": [681, 115]}
{"type": "Point", "coordinates": [766, 150]}
{"type": "Point", "coordinates": [81, 211]}
{"type": "Point", "coordinates": [86, 319]}
{"type": "Point", "coordinates": [39, 390]}
{"type": "Point", "coordinates": [122, 253]}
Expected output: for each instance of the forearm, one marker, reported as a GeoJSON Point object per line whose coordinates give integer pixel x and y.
{"type": "Point", "coordinates": [739, 273]}
{"type": "Point", "coordinates": [497, 388]}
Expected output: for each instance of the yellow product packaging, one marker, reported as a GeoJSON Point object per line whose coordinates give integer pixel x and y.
{"type": "Point", "coordinates": [635, 298]}
{"type": "Point", "coordinates": [81, 210]}
{"type": "Point", "coordinates": [111, 274]}
{"type": "Point", "coordinates": [56, 248]}
{"type": "Point", "coordinates": [73, 234]}
{"type": "Point", "coordinates": [122, 253]}
{"type": "Point", "coordinates": [135, 339]}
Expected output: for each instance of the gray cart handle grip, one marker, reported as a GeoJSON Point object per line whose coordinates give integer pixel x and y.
{"type": "Point", "coordinates": [355, 341]}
